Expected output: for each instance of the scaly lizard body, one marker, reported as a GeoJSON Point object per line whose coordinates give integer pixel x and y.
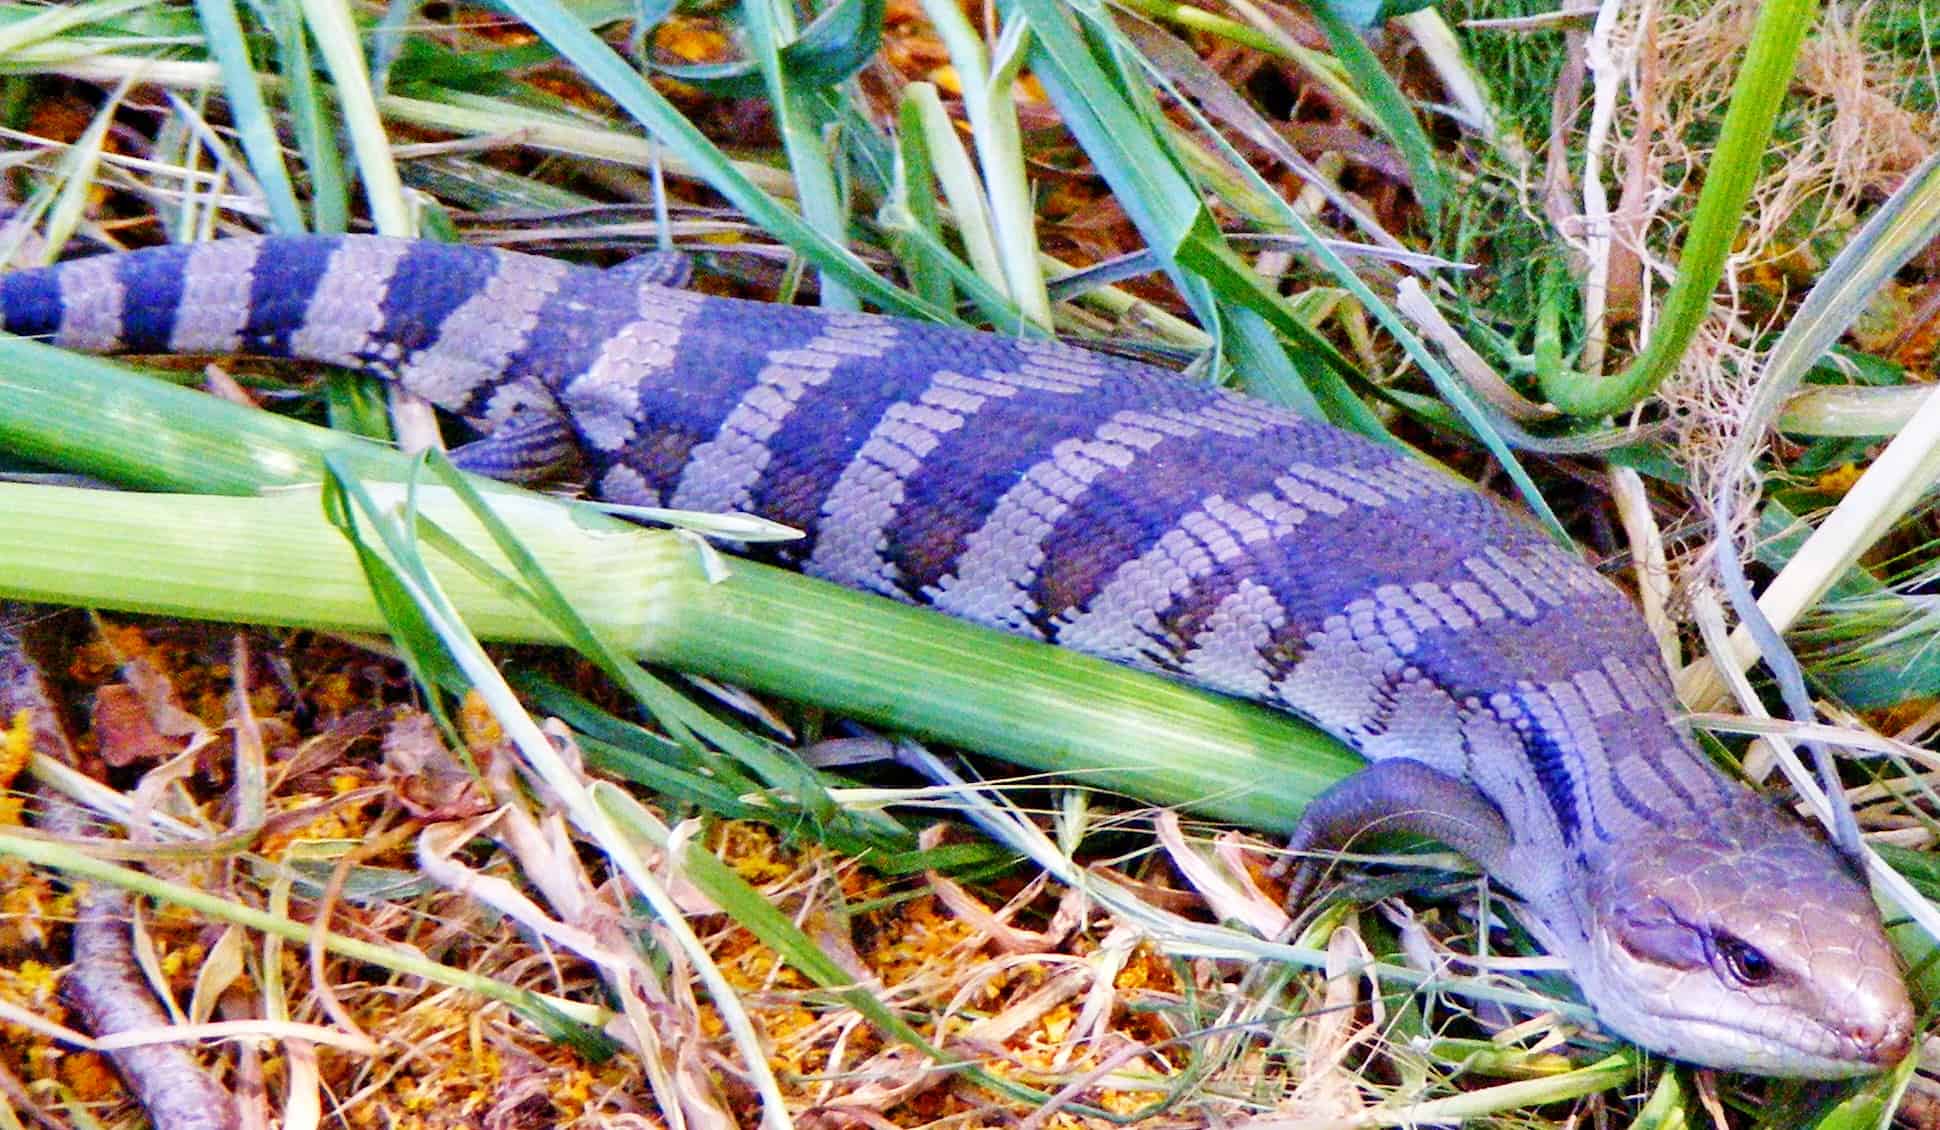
{"type": "Point", "coordinates": [1510, 699]}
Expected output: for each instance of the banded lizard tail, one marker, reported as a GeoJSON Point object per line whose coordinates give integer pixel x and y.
{"type": "Point", "coordinates": [1508, 697]}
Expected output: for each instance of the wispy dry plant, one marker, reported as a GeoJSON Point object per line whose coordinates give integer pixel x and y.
{"type": "Point", "coordinates": [1873, 138]}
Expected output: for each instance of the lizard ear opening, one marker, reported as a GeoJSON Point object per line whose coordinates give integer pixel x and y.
{"type": "Point", "coordinates": [1652, 934]}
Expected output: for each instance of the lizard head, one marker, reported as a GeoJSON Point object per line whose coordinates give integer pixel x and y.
{"type": "Point", "coordinates": [1744, 942]}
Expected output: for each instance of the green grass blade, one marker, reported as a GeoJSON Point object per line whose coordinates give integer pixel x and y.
{"type": "Point", "coordinates": [837, 43]}
{"type": "Point", "coordinates": [40, 25]}
{"type": "Point", "coordinates": [223, 35]}
{"type": "Point", "coordinates": [1005, 183]}
{"type": "Point", "coordinates": [1871, 1104]}
{"type": "Point", "coordinates": [344, 502]}
{"type": "Point", "coordinates": [312, 118]}
{"type": "Point", "coordinates": [760, 917]}
{"type": "Point", "coordinates": [1390, 107]}
{"type": "Point", "coordinates": [530, 583]}
{"type": "Point", "coordinates": [79, 166]}
{"type": "Point", "coordinates": [274, 560]}
{"type": "Point", "coordinates": [432, 606]}
{"type": "Point", "coordinates": [330, 21]}
{"type": "Point", "coordinates": [799, 117]}
{"type": "Point", "coordinates": [912, 202]}
{"type": "Point", "coordinates": [601, 66]}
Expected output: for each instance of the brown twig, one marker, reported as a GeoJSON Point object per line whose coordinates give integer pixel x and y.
{"type": "Point", "coordinates": [104, 986]}
{"type": "Point", "coordinates": [1559, 202]}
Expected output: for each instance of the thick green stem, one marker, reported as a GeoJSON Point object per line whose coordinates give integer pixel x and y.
{"type": "Point", "coordinates": [275, 560]}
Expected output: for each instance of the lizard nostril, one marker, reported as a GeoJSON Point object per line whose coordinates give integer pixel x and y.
{"type": "Point", "coordinates": [1884, 1042]}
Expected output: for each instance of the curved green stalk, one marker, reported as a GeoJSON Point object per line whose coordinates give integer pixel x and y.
{"type": "Point", "coordinates": [1733, 170]}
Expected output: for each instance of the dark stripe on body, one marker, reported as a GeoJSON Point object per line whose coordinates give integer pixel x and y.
{"type": "Point", "coordinates": [1550, 761]}
{"type": "Point", "coordinates": [575, 324]}
{"type": "Point", "coordinates": [428, 283]}
{"type": "Point", "coordinates": [1649, 755]}
{"type": "Point", "coordinates": [1004, 442]}
{"type": "Point", "coordinates": [1327, 562]}
{"type": "Point", "coordinates": [717, 364]}
{"type": "Point", "coordinates": [31, 301]}
{"type": "Point", "coordinates": [1640, 811]}
{"type": "Point", "coordinates": [1126, 512]}
{"type": "Point", "coordinates": [281, 288]}
{"type": "Point", "coordinates": [153, 283]}
{"type": "Point", "coordinates": [971, 469]}
{"type": "Point", "coordinates": [832, 422]}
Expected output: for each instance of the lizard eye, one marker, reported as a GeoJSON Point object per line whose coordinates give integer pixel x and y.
{"type": "Point", "coordinates": [1746, 963]}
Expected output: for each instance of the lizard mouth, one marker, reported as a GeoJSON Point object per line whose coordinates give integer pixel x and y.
{"type": "Point", "coordinates": [1831, 1053]}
